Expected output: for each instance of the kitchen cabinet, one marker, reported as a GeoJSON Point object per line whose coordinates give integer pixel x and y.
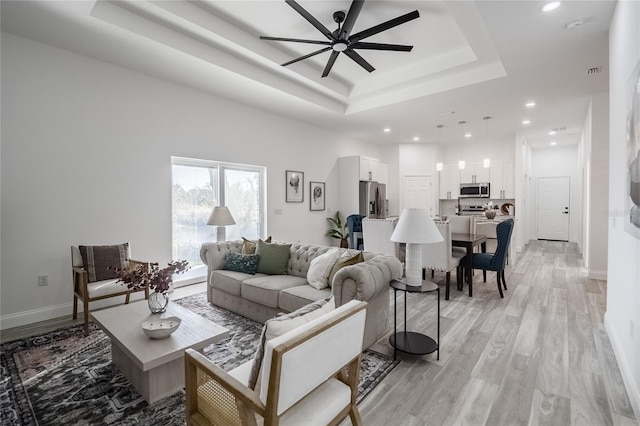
{"type": "Point", "coordinates": [369, 169]}
{"type": "Point", "coordinates": [503, 179]}
{"type": "Point", "coordinates": [474, 173]}
{"type": "Point", "coordinates": [449, 182]}
{"type": "Point", "coordinates": [383, 173]}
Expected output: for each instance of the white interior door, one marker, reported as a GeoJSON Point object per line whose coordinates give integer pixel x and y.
{"type": "Point", "coordinates": [553, 208]}
{"type": "Point", "coordinates": [416, 193]}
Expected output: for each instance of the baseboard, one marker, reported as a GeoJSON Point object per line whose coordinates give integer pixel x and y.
{"type": "Point", "coordinates": [57, 311]}
{"type": "Point", "coordinates": [633, 390]}
{"type": "Point", "coordinates": [35, 315]}
{"type": "Point", "coordinates": [597, 275]}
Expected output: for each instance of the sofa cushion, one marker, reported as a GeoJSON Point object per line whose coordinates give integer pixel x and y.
{"type": "Point", "coordinates": [249, 246]}
{"type": "Point", "coordinates": [279, 325]}
{"type": "Point", "coordinates": [273, 258]}
{"type": "Point", "coordinates": [296, 297]}
{"type": "Point", "coordinates": [265, 289]}
{"type": "Point", "coordinates": [101, 262]}
{"type": "Point", "coordinates": [247, 263]}
{"type": "Point", "coordinates": [230, 281]}
{"type": "Point", "coordinates": [320, 268]}
{"type": "Point", "coordinates": [345, 260]}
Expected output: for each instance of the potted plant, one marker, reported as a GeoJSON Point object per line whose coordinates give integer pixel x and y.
{"type": "Point", "coordinates": [338, 230]}
{"type": "Point", "coordinates": [158, 280]}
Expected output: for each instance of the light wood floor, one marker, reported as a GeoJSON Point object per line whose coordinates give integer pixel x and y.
{"type": "Point", "coordinates": [540, 356]}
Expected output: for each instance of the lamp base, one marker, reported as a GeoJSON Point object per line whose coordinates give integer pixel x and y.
{"type": "Point", "coordinates": [221, 234]}
{"type": "Point", "coordinates": [413, 271]}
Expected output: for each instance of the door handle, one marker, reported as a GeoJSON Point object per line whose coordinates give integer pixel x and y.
{"type": "Point", "coordinates": [565, 212]}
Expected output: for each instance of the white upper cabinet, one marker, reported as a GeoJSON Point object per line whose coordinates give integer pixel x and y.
{"type": "Point", "coordinates": [369, 169]}
{"type": "Point", "coordinates": [474, 173]}
{"type": "Point", "coordinates": [449, 182]}
{"type": "Point", "coordinates": [383, 173]}
{"type": "Point", "coordinates": [503, 179]}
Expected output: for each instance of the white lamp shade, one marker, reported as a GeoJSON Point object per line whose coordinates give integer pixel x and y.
{"type": "Point", "coordinates": [221, 216]}
{"type": "Point", "coordinates": [416, 227]}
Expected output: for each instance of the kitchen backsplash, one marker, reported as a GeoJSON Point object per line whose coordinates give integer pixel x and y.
{"type": "Point", "coordinates": [448, 207]}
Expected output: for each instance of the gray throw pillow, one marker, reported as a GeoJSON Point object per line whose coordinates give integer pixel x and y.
{"type": "Point", "coordinates": [274, 258]}
{"type": "Point", "coordinates": [101, 262]}
{"type": "Point", "coordinates": [247, 263]}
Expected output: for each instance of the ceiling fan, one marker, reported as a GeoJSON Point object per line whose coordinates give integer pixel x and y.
{"type": "Point", "coordinates": [341, 40]}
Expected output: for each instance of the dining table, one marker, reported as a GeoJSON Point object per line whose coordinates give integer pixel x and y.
{"type": "Point", "coordinates": [469, 241]}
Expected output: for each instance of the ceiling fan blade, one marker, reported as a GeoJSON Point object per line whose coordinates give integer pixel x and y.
{"type": "Point", "coordinates": [381, 46]}
{"type": "Point", "coordinates": [330, 62]}
{"type": "Point", "coordinates": [350, 20]}
{"type": "Point", "coordinates": [359, 60]}
{"type": "Point", "coordinates": [384, 26]}
{"type": "Point", "coordinates": [317, 52]}
{"type": "Point", "coordinates": [313, 21]}
{"type": "Point", "coordinates": [296, 40]}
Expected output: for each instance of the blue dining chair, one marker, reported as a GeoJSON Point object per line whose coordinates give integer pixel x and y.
{"type": "Point", "coordinates": [354, 224]}
{"type": "Point", "coordinates": [496, 261]}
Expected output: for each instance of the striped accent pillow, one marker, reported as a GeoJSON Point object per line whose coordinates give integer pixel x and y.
{"type": "Point", "coordinates": [101, 262]}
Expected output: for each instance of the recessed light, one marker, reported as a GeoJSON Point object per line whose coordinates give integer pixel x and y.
{"type": "Point", "coordinates": [526, 122]}
{"type": "Point", "coordinates": [552, 132]}
{"type": "Point", "coordinates": [467, 135]}
{"type": "Point", "coordinates": [416, 138]}
{"type": "Point", "coordinates": [551, 6]}
{"type": "Point", "coordinates": [387, 130]}
{"type": "Point", "coordinates": [530, 104]}
{"type": "Point", "coordinates": [553, 143]}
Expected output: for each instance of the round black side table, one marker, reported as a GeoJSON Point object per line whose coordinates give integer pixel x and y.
{"type": "Point", "coordinates": [410, 341]}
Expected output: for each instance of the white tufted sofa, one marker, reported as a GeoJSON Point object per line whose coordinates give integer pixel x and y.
{"type": "Point", "coordinates": [260, 297]}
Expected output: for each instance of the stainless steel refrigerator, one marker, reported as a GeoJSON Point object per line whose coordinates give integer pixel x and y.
{"type": "Point", "coordinates": [373, 200]}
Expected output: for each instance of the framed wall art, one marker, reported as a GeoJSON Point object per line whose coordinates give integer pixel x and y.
{"type": "Point", "coordinates": [316, 196]}
{"type": "Point", "coordinates": [295, 186]}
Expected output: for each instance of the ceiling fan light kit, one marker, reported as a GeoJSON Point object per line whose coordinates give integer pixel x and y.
{"type": "Point", "coordinates": [341, 40]}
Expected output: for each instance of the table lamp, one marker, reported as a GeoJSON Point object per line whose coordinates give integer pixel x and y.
{"type": "Point", "coordinates": [221, 217]}
{"type": "Point", "coordinates": [415, 228]}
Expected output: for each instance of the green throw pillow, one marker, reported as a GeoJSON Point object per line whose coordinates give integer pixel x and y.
{"type": "Point", "coordinates": [247, 263]}
{"type": "Point", "coordinates": [274, 258]}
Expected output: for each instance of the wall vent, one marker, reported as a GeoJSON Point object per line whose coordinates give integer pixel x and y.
{"type": "Point", "coordinates": [559, 129]}
{"type": "Point", "coordinates": [594, 70]}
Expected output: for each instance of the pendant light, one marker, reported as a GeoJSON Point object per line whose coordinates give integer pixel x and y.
{"type": "Point", "coordinates": [461, 163]}
{"type": "Point", "coordinates": [486, 162]}
{"type": "Point", "coordinates": [439, 164]}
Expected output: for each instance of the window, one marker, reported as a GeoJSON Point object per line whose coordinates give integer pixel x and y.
{"type": "Point", "coordinates": [200, 185]}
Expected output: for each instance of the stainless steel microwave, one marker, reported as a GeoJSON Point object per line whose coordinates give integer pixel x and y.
{"type": "Point", "coordinates": [474, 190]}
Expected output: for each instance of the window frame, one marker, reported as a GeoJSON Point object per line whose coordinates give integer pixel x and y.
{"type": "Point", "coordinates": [198, 273]}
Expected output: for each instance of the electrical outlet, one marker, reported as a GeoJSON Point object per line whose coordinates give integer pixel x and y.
{"type": "Point", "coordinates": [43, 280]}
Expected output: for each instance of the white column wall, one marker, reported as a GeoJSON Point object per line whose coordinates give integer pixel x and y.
{"type": "Point", "coordinates": [86, 150]}
{"type": "Point", "coordinates": [622, 319]}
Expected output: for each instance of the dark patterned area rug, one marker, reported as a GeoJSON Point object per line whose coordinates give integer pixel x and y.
{"type": "Point", "coordinates": [63, 377]}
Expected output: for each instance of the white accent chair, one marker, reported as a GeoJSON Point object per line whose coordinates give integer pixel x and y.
{"type": "Point", "coordinates": [309, 376]}
{"type": "Point", "coordinates": [91, 291]}
{"type": "Point", "coordinates": [463, 225]}
{"type": "Point", "coordinates": [441, 257]}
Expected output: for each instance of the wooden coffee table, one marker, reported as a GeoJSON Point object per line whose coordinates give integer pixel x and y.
{"type": "Point", "coordinates": [155, 367]}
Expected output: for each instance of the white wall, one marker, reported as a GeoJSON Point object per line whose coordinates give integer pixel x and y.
{"type": "Point", "coordinates": [86, 150]}
{"type": "Point", "coordinates": [555, 162]}
{"type": "Point", "coordinates": [599, 186]}
{"type": "Point", "coordinates": [622, 318]}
